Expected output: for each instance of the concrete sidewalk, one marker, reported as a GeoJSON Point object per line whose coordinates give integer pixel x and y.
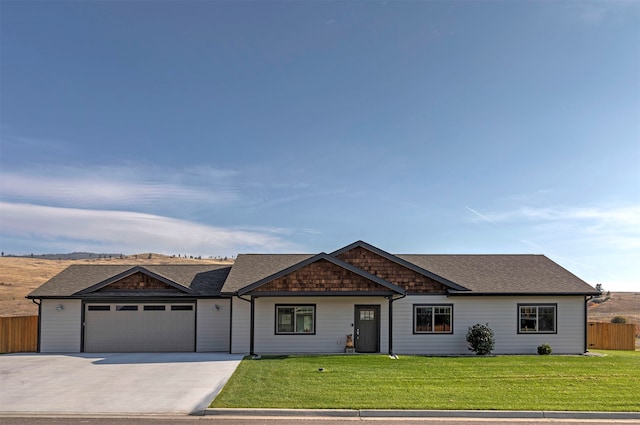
{"type": "Point", "coordinates": [115, 383]}
{"type": "Point", "coordinates": [371, 413]}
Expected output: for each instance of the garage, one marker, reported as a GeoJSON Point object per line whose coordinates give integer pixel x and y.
{"type": "Point", "coordinates": [139, 327]}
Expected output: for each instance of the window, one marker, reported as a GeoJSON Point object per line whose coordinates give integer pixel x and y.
{"type": "Point", "coordinates": [367, 315]}
{"type": "Point", "coordinates": [127, 308]}
{"type": "Point", "coordinates": [154, 308]}
{"type": "Point", "coordinates": [432, 319]}
{"type": "Point", "coordinates": [99, 308]}
{"type": "Point", "coordinates": [537, 318]}
{"type": "Point", "coordinates": [181, 307]}
{"type": "Point", "coordinates": [296, 319]}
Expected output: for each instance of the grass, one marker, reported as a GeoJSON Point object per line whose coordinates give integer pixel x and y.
{"type": "Point", "coordinates": [608, 383]}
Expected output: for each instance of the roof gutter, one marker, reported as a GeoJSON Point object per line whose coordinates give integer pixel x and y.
{"type": "Point", "coordinates": [515, 294]}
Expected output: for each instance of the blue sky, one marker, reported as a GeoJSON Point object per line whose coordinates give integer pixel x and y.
{"type": "Point", "coordinates": [217, 128]}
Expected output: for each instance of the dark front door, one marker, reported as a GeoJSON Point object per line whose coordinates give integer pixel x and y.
{"type": "Point", "coordinates": [367, 326]}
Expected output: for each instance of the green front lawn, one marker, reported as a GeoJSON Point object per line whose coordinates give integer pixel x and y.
{"type": "Point", "coordinates": [609, 383]}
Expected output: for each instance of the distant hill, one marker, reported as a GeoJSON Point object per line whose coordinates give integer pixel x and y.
{"type": "Point", "coordinates": [97, 256]}
{"type": "Point", "coordinates": [69, 256]}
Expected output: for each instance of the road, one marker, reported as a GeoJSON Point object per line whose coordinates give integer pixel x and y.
{"type": "Point", "coordinates": [200, 420]}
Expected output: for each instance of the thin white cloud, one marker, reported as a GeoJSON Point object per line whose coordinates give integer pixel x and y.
{"type": "Point", "coordinates": [498, 228]}
{"type": "Point", "coordinates": [131, 232]}
{"type": "Point", "coordinates": [115, 186]}
{"type": "Point", "coordinates": [617, 227]}
{"type": "Point", "coordinates": [479, 215]}
{"type": "Point", "coordinates": [600, 244]}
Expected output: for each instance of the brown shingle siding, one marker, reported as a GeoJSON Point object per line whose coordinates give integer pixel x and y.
{"type": "Point", "coordinates": [138, 281]}
{"type": "Point", "coordinates": [320, 276]}
{"type": "Point", "coordinates": [395, 273]}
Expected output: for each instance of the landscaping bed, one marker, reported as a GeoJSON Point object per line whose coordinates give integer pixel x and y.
{"type": "Point", "coordinates": [583, 383]}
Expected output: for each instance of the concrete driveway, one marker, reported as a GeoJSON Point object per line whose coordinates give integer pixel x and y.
{"type": "Point", "coordinates": [141, 383]}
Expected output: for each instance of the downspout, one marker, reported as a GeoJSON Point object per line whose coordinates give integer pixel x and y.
{"type": "Point", "coordinates": [586, 323]}
{"type": "Point", "coordinates": [251, 327]}
{"type": "Point", "coordinates": [391, 300]}
{"type": "Point", "coordinates": [39, 304]}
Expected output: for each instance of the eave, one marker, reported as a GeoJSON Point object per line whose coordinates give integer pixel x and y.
{"type": "Point", "coordinates": [515, 294]}
{"type": "Point", "coordinates": [258, 294]}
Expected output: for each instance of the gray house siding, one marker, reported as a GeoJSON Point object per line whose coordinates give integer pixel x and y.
{"type": "Point", "coordinates": [240, 326]}
{"type": "Point", "coordinates": [501, 313]}
{"type": "Point", "coordinates": [213, 325]}
{"type": "Point", "coordinates": [333, 322]}
{"type": "Point", "coordinates": [60, 329]}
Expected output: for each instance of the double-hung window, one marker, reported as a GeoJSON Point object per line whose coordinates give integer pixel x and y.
{"type": "Point", "coordinates": [537, 318]}
{"type": "Point", "coordinates": [296, 319]}
{"type": "Point", "coordinates": [436, 318]}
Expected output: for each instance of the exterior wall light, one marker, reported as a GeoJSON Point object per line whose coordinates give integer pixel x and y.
{"type": "Point", "coordinates": [216, 307]}
{"type": "Point", "coordinates": [60, 307]}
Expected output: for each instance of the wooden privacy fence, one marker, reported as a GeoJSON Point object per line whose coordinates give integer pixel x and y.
{"type": "Point", "coordinates": [18, 334]}
{"type": "Point", "coordinates": [611, 336]}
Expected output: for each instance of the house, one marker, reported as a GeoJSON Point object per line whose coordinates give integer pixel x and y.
{"type": "Point", "coordinates": [306, 303]}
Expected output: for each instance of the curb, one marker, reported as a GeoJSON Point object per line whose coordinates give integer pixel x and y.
{"type": "Point", "coordinates": [346, 413]}
{"type": "Point", "coordinates": [341, 413]}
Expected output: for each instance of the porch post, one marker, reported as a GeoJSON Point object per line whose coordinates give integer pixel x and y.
{"type": "Point", "coordinates": [390, 325]}
{"type": "Point", "coordinates": [251, 351]}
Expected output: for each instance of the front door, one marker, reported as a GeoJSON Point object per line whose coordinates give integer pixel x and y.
{"type": "Point", "coordinates": [367, 324]}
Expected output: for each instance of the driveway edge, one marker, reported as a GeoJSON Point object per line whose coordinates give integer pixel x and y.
{"type": "Point", "coordinates": [371, 413]}
{"type": "Point", "coordinates": [342, 413]}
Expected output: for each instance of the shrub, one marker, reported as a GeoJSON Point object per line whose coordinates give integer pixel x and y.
{"type": "Point", "coordinates": [480, 339]}
{"type": "Point", "coordinates": [544, 349]}
{"type": "Point", "coordinates": [619, 319]}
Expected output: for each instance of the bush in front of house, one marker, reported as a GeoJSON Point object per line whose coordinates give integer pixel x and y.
{"type": "Point", "coordinates": [481, 339]}
{"type": "Point", "coordinates": [619, 319]}
{"type": "Point", "coordinates": [544, 349]}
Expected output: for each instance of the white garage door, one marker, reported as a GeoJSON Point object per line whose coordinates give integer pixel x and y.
{"type": "Point", "coordinates": [117, 328]}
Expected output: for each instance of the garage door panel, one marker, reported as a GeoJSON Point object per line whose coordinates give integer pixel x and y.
{"type": "Point", "coordinates": [121, 329]}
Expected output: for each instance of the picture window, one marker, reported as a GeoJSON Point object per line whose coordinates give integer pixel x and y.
{"type": "Point", "coordinates": [537, 318]}
{"type": "Point", "coordinates": [430, 319]}
{"type": "Point", "coordinates": [295, 319]}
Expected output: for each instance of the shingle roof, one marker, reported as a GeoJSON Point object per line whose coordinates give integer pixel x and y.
{"type": "Point", "coordinates": [203, 280]}
{"type": "Point", "coordinates": [250, 268]}
{"type": "Point", "coordinates": [503, 274]}
{"type": "Point", "coordinates": [479, 274]}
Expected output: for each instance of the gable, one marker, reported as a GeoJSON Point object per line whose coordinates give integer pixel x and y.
{"type": "Point", "coordinates": [321, 276]}
{"type": "Point", "coordinates": [138, 282]}
{"type": "Point", "coordinates": [391, 271]}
